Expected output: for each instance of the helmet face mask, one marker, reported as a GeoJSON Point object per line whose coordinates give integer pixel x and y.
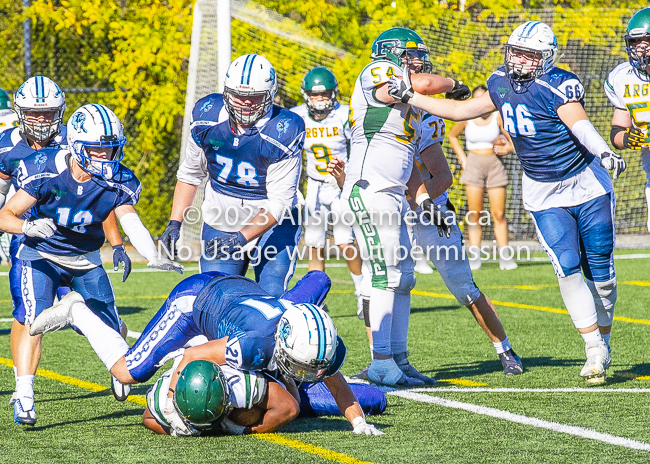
{"type": "Point", "coordinates": [637, 41]}
{"type": "Point", "coordinates": [305, 343]}
{"type": "Point", "coordinates": [96, 140]}
{"type": "Point", "coordinates": [39, 105]}
{"type": "Point", "coordinates": [530, 52]}
{"type": "Point", "coordinates": [202, 394]}
{"type": "Point", "coordinates": [320, 91]}
{"type": "Point", "coordinates": [249, 90]}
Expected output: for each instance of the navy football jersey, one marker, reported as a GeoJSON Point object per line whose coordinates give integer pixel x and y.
{"type": "Point", "coordinates": [14, 148]}
{"type": "Point", "coordinates": [238, 308]}
{"type": "Point", "coordinates": [78, 209]}
{"type": "Point", "coordinates": [238, 164]}
{"type": "Point", "coordinates": [546, 148]}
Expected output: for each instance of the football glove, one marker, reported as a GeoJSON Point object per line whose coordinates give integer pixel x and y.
{"type": "Point", "coordinates": [613, 162]}
{"type": "Point", "coordinates": [434, 215]}
{"type": "Point", "coordinates": [120, 256]}
{"type": "Point", "coordinates": [179, 427]}
{"type": "Point", "coordinates": [39, 228]}
{"type": "Point", "coordinates": [459, 92]}
{"type": "Point", "coordinates": [165, 264]}
{"type": "Point", "coordinates": [230, 428]}
{"type": "Point", "coordinates": [401, 89]}
{"type": "Point", "coordinates": [218, 247]}
{"type": "Point", "coordinates": [171, 235]}
{"type": "Point", "coordinates": [361, 427]}
{"type": "Point", "coordinates": [635, 139]}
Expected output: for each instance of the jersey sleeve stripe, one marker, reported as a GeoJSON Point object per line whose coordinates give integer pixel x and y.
{"type": "Point", "coordinates": [552, 89]}
{"type": "Point", "coordinates": [40, 175]}
{"type": "Point", "coordinates": [247, 381]}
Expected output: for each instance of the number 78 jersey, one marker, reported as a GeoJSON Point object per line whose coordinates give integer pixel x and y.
{"type": "Point", "coordinates": [383, 135]}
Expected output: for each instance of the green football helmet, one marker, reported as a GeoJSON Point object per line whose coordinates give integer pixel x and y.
{"type": "Point", "coordinates": [398, 43]}
{"type": "Point", "coordinates": [320, 81]}
{"type": "Point", "coordinates": [639, 29]}
{"type": "Point", "coordinates": [202, 394]}
{"type": "Point", "coordinates": [5, 103]}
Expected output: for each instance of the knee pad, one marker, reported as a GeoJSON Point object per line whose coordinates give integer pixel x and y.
{"type": "Point", "coordinates": [605, 294]}
{"type": "Point", "coordinates": [406, 283]}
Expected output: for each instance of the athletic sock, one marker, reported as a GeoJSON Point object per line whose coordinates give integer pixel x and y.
{"type": "Point", "coordinates": [593, 336]}
{"type": "Point", "coordinates": [381, 317]}
{"type": "Point", "coordinates": [400, 327]}
{"type": "Point", "coordinates": [25, 386]}
{"type": "Point", "coordinates": [107, 343]}
{"type": "Point", "coordinates": [606, 339]}
{"type": "Point", "coordinates": [578, 300]}
{"type": "Point", "coordinates": [503, 346]}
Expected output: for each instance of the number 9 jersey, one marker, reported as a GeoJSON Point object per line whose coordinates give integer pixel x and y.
{"type": "Point", "coordinates": [324, 139]}
{"type": "Point", "coordinates": [383, 135]}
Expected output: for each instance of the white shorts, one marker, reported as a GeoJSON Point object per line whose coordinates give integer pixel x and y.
{"type": "Point", "coordinates": [323, 207]}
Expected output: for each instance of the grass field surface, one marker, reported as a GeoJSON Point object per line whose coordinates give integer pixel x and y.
{"type": "Point", "coordinates": [474, 414]}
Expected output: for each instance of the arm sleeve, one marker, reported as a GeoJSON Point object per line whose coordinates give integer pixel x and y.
{"type": "Point", "coordinates": [139, 236]}
{"type": "Point", "coordinates": [588, 136]}
{"type": "Point", "coordinates": [194, 167]}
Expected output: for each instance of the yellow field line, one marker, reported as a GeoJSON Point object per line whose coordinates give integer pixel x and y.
{"type": "Point", "coordinates": [463, 382]}
{"type": "Point", "coordinates": [311, 449]}
{"type": "Point", "coordinates": [527, 306]}
{"type": "Point", "coordinates": [278, 439]}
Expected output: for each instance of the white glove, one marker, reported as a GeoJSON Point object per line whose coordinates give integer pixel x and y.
{"type": "Point", "coordinates": [361, 427]}
{"type": "Point", "coordinates": [179, 428]}
{"type": "Point", "coordinates": [39, 228]}
{"type": "Point", "coordinates": [165, 264]}
{"type": "Point", "coordinates": [613, 162]}
{"type": "Point", "coordinates": [401, 89]}
{"type": "Point", "coordinates": [229, 427]}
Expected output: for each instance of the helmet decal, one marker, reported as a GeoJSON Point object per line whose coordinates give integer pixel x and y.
{"type": "Point", "coordinates": [77, 121]}
{"type": "Point", "coordinates": [284, 331]}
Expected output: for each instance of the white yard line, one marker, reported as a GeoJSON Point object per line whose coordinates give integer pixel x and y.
{"type": "Point", "coordinates": [530, 390]}
{"type": "Point", "coordinates": [525, 420]}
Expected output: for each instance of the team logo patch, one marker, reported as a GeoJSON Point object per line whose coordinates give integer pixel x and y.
{"type": "Point", "coordinates": [283, 126]}
{"type": "Point", "coordinates": [259, 358]}
{"type": "Point", "coordinates": [78, 120]}
{"type": "Point", "coordinates": [271, 76]}
{"type": "Point", "coordinates": [216, 144]}
{"type": "Point", "coordinates": [284, 331]}
{"type": "Point", "coordinates": [503, 91]}
{"type": "Point", "coordinates": [39, 160]}
{"type": "Point", "coordinates": [58, 193]}
{"type": "Point", "coordinates": [205, 107]}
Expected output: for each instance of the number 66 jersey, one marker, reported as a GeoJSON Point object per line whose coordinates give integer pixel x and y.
{"type": "Point", "coordinates": [558, 170]}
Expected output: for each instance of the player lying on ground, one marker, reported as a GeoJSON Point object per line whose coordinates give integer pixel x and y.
{"type": "Point", "coordinates": [240, 324]}
{"type": "Point", "coordinates": [568, 193]}
{"type": "Point", "coordinates": [253, 402]}
{"type": "Point", "coordinates": [70, 194]}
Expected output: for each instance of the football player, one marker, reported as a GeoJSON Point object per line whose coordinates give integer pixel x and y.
{"type": "Point", "coordinates": [628, 89]}
{"type": "Point", "coordinates": [239, 324]}
{"type": "Point", "coordinates": [327, 137]}
{"type": "Point", "coordinates": [70, 194]}
{"type": "Point", "coordinates": [567, 190]}
{"type": "Point", "coordinates": [39, 105]}
{"type": "Point", "coordinates": [250, 150]}
{"type": "Point", "coordinates": [381, 160]}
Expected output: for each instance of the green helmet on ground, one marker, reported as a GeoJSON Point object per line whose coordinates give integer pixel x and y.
{"type": "Point", "coordinates": [5, 103]}
{"type": "Point", "coordinates": [202, 393]}
{"type": "Point", "coordinates": [400, 42]}
{"type": "Point", "coordinates": [638, 29]}
{"type": "Point", "coordinates": [320, 81]}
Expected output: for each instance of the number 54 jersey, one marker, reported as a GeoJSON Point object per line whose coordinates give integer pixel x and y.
{"type": "Point", "coordinates": [383, 135]}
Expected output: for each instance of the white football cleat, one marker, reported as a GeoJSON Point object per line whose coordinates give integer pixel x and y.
{"type": "Point", "coordinates": [386, 372]}
{"type": "Point", "coordinates": [24, 412]}
{"type": "Point", "coordinates": [507, 264]}
{"type": "Point", "coordinates": [120, 390]}
{"type": "Point", "coordinates": [56, 317]}
{"type": "Point", "coordinates": [598, 360]}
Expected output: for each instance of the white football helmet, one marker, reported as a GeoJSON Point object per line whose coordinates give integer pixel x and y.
{"type": "Point", "coordinates": [96, 127]}
{"type": "Point", "coordinates": [537, 39]}
{"type": "Point", "coordinates": [39, 97]}
{"type": "Point", "coordinates": [305, 343]}
{"type": "Point", "coordinates": [249, 76]}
